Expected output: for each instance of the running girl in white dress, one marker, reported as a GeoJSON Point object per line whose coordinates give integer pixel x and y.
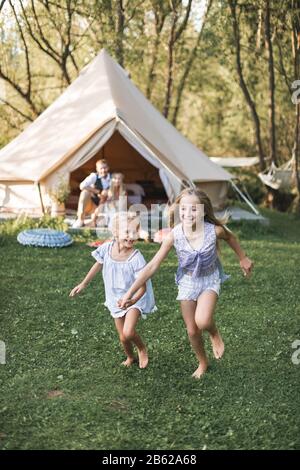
{"type": "Point", "coordinates": [121, 263]}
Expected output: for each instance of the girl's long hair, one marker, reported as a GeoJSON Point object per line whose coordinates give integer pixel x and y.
{"type": "Point", "coordinates": [115, 191]}
{"type": "Point", "coordinates": [209, 215]}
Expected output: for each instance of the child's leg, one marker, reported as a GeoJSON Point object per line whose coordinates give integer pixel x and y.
{"type": "Point", "coordinates": [103, 196]}
{"type": "Point", "coordinates": [131, 319]}
{"type": "Point", "coordinates": [206, 305]}
{"type": "Point", "coordinates": [83, 203]}
{"type": "Point", "coordinates": [119, 322]}
{"type": "Point", "coordinates": [96, 214]}
{"type": "Point", "coordinates": [188, 308]}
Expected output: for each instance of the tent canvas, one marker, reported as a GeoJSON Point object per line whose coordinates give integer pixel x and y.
{"type": "Point", "coordinates": [235, 162]}
{"type": "Point", "coordinates": [101, 102]}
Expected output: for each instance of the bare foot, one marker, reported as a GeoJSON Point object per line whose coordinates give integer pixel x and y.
{"type": "Point", "coordinates": [217, 345]}
{"type": "Point", "coordinates": [129, 361]}
{"type": "Point", "coordinates": [200, 370]}
{"type": "Point", "coordinates": [143, 358]}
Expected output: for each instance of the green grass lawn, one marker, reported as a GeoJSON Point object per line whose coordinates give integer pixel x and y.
{"type": "Point", "coordinates": [63, 386]}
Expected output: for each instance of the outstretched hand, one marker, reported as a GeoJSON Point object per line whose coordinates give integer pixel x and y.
{"type": "Point", "coordinates": [246, 265]}
{"type": "Point", "coordinates": [77, 290]}
{"type": "Point", "coordinates": [125, 303]}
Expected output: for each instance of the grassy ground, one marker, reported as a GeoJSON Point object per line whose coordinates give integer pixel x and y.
{"type": "Point", "coordinates": [63, 387]}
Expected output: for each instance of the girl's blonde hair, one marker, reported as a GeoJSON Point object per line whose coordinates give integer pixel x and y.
{"type": "Point", "coordinates": [209, 215]}
{"type": "Point", "coordinates": [124, 218]}
{"type": "Point", "coordinates": [115, 191]}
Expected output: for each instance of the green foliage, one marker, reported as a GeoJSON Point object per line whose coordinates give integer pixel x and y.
{"type": "Point", "coordinates": [85, 236]}
{"type": "Point", "coordinates": [213, 113]}
{"type": "Point", "coordinates": [14, 226]}
{"type": "Point", "coordinates": [63, 386]}
{"type": "Point", "coordinates": [60, 192]}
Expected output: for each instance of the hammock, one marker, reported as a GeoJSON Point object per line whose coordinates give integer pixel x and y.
{"type": "Point", "coordinates": [279, 177]}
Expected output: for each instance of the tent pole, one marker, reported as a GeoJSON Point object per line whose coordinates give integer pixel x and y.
{"type": "Point", "coordinates": [41, 199]}
{"type": "Point", "coordinates": [245, 198]}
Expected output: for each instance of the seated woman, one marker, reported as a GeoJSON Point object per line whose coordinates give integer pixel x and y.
{"type": "Point", "coordinates": [112, 203]}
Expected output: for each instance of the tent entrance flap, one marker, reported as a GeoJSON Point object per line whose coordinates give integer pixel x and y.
{"type": "Point", "coordinates": [172, 181]}
{"type": "Point", "coordinates": [87, 152]}
{"type": "Point", "coordinates": [124, 157]}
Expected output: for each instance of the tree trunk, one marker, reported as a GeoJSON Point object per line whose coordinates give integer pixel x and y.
{"type": "Point", "coordinates": [242, 83]}
{"type": "Point", "coordinates": [159, 24]}
{"type": "Point", "coordinates": [259, 29]}
{"type": "Point", "coordinates": [120, 33]}
{"type": "Point", "coordinates": [175, 34]}
{"type": "Point", "coordinates": [269, 47]}
{"type": "Point", "coordinates": [188, 66]}
{"type": "Point", "coordinates": [296, 148]}
{"type": "Point", "coordinates": [171, 44]}
{"type": "Point", "coordinates": [151, 74]}
{"type": "Point", "coordinates": [296, 55]}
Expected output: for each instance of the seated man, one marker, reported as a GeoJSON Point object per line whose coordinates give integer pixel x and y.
{"type": "Point", "coordinates": [94, 188]}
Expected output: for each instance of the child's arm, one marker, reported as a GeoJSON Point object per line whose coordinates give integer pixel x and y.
{"type": "Point", "coordinates": [225, 234]}
{"type": "Point", "coordinates": [149, 270]}
{"type": "Point", "coordinates": [90, 275]}
{"type": "Point", "coordinates": [139, 294]}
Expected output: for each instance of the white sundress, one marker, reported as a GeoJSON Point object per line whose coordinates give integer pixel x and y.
{"type": "Point", "coordinates": [118, 277]}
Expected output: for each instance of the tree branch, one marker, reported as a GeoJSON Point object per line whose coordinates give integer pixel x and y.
{"type": "Point", "coordinates": [2, 4]}
{"type": "Point", "coordinates": [242, 83]}
{"type": "Point", "coordinates": [26, 49]}
{"type": "Point", "coordinates": [159, 24]}
{"type": "Point", "coordinates": [28, 118]}
{"type": "Point", "coordinates": [184, 22]}
{"type": "Point", "coordinates": [269, 47]}
{"type": "Point", "coordinates": [43, 43]}
{"type": "Point", "coordinates": [189, 64]}
{"type": "Point", "coordinates": [171, 43]}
